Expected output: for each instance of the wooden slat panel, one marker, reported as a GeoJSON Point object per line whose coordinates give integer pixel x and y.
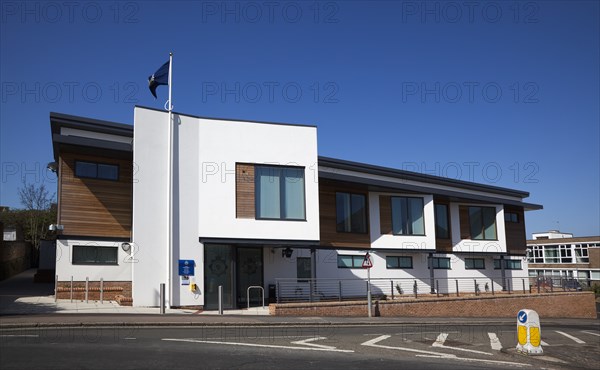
{"type": "Point", "coordinates": [244, 191]}
{"type": "Point", "coordinates": [93, 207]}
{"type": "Point", "coordinates": [444, 245]}
{"type": "Point", "coordinates": [385, 214]}
{"type": "Point", "coordinates": [516, 242]}
{"type": "Point", "coordinates": [465, 227]}
{"type": "Point", "coordinates": [329, 235]}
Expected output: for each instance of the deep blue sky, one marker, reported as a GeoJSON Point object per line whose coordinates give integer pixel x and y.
{"type": "Point", "coordinates": [501, 93]}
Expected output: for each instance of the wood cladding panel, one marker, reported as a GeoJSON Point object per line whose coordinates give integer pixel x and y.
{"type": "Point", "coordinates": [385, 214]}
{"type": "Point", "coordinates": [328, 218]}
{"type": "Point", "coordinates": [444, 245]}
{"type": "Point", "coordinates": [244, 191]}
{"type": "Point", "coordinates": [94, 207]}
{"type": "Point", "coordinates": [516, 239]}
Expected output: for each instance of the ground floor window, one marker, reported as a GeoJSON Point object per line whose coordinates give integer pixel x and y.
{"type": "Point", "coordinates": [95, 255]}
{"type": "Point", "coordinates": [508, 264]}
{"type": "Point", "coordinates": [440, 263]}
{"type": "Point", "coordinates": [474, 263]}
{"type": "Point", "coordinates": [303, 268]}
{"type": "Point", "coordinates": [349, 262]}
{"type": "Point", "coordinates": [399, 262]}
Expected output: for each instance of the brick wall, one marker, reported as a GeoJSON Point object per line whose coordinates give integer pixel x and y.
{"type": "Point", "coordinates": [553, 305]}
{"type": "Point", "coordinates": [110, 290]}
{"type": "Point", "coordinates": [14, 258]}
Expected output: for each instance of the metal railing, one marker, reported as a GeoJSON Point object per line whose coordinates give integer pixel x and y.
{"type": "Point", "coordinates": [319, 290]}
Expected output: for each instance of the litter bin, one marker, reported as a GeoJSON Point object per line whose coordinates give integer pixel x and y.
{"type": "Point", "coordinates": [272, 293]}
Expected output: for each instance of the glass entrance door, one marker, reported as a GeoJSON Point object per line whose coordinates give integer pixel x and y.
{"type": "Point", "coordinates": [249, 271]}
{"type": "Point", "coordinates": [218, 270]}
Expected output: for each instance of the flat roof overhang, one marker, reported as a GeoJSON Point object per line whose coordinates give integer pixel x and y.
{"type": "Point", "coordinates": [457, 196]}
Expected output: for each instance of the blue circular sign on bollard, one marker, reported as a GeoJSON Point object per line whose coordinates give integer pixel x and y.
{"type": "Point", "coordinates": [522, 316]}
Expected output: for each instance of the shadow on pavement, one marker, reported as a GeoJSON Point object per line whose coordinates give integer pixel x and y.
{"type": "Point", "coordinates": [20, 295]}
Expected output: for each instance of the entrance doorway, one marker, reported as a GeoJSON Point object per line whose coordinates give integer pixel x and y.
{"type": "Point", "coordinates": [235, 268]}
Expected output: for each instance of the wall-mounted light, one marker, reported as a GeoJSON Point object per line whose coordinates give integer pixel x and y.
{"type": "Point", "coordinates": [126, 247]}
{"type": "Point", "coordinates": [287, 252]}
{"type": "Point", "coordinates": [55, 227]}
{"type": "Point", "coordinates": [52, 166]}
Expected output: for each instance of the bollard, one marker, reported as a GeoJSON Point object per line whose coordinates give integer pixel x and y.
{"type": "Point", "coordinates": [456, 288]}
{"type": "Point", "coordinates": [523, 280]}
{"type": "Point", "coordinates": [437, 287]}
{"type": "Point", "coordinates": [392, 288]}
{"type": "Point", "coordinates": [162, 299]}
{"type": "Point", "coordinates": [492, 281]}
{"type": "Point", "coordinates": [340, 290]}
{"type": "Point", "coordinates": [101, 290]}
{"type": "Point", "coordinates": [220, 299]}
{"type": "Point", "coordinates": [56, 288]}
{"type": "Point", "coordinates": [476, 287]}
{"type": "Point", "coordinates": [71, 288]}
{"type": "Point", "coordinates": [87, 285]}
{"type": "Point", "coordinates": [529, 333]}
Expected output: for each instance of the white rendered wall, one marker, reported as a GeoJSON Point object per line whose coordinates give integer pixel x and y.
{"type": "Point", "coordinates": [65, 269]}
{"type": "Point", "coordinates": [222, 144]}
{"type": "Point", "coordinates": [206, 152]}
{"type": "Point", "coordinates": [426, 242]}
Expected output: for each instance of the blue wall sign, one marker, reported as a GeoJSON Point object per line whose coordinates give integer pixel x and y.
{"type": "Point", "coordinates": [186, 267]}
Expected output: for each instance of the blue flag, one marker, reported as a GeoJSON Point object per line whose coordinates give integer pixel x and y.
{"type": "Point", "coordinates": [160, 77]}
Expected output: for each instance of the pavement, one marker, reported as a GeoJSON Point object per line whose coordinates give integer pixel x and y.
{"type": "Point", "coordinates": [27, 304]}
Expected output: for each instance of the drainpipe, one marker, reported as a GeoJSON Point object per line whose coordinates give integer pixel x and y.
{"type": "Point", "coordinates": [431, 273]}
{"type": "Point", "coordinates": [503, 273]}
{"type": "Point", "coordinates": [313, 271]}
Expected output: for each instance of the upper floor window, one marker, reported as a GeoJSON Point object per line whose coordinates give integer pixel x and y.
{"type": "Point", "coordinates": [280, 193]}
{"type": "Point", "coordinates": [351, 213]}
{"type": "Point", "coordinates": [442, 226]}
{"type": "Point", "coordinates": [407, 216]}
{"type": "Point", "coordinates": [93, 170]}
{"type": "Point", "coordinates": [482, 221]}
{"type": "Point", "coordinates": [511, 217]}
{"type": "Point", "coordinates": [581, 253]}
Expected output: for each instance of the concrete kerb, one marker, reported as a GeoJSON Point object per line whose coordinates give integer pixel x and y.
{"type": "Point", "coordinates": [287, 324]}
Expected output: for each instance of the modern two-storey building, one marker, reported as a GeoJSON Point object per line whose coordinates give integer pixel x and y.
{"type": "Point", "coordinates": [253, 202]}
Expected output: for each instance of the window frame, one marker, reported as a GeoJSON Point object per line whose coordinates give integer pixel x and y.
{"type": "Point", "coordinates": [365, 213]}
{"type": "Point", "coordinates": [512, 217]}
{"type": "Point", "coordinates": [354, 258]}
{"type": "Point", "coordinates": [97, 164]}
{"type": "Point", "coordinates": [96, 254]}
{"type": "Point", "coordinates": [474, 267]}
{"type": "Point", "coordinates": [398, 258]}
{"type": "Point", "coordinates": [409, 215]}
{"type": "Point", "coordinates": [303, 279]}
{"type": "Point", "coordinates": [435, 211]}
{"type": "Point", "coordinates": [282, 192]}
{"type": "Point", "coordinates": [508, 265]}
{"type": "Point", "coordinates": [436, 261]}
{"type": "Point", "coordinates": [483, 223]}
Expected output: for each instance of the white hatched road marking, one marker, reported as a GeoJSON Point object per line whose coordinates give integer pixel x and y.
{"type": "Point", "coordinates": [576, 340]}
{"type": "Point", "coordinates": [441, 339]}
{"type": "Point", "coordinates": [590, 332]}
{"type": "Point", "coordinates": [495, 342]}
{"type": "Point", "coordinates": [421, 353]}
{"type": "Point", "coordinates": [544, 343]}
{"type": "Point", "coordinates": [256, 345]}
{"type": "Point", "coordinates": [20, 335]}
{"type": "Point", "coordinates": [305, 342]}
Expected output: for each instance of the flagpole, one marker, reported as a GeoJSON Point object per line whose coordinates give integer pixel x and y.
{"type": "Point", "coordinates": [170, 190]}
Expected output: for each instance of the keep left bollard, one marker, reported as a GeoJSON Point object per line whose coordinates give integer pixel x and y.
{"type": "Point", "coordinates": [529, 333]}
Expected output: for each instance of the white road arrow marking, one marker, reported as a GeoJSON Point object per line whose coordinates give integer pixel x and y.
{"type": "Point", "coordinates": [576, 340]}
{"type": "Point", "coordinates": [421, 353]}
{"type": "Point", "coordinates": [306, 342]}
{"type": "Point", "coordinates": [441, 339]}
{"type": "Point", "coordinates": [495, 342]}
{"type": "Point", "coordinates": [256, 345]}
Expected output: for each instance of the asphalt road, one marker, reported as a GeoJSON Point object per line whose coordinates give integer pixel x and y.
{"type": "Point", "coordinates": [409, 346]}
